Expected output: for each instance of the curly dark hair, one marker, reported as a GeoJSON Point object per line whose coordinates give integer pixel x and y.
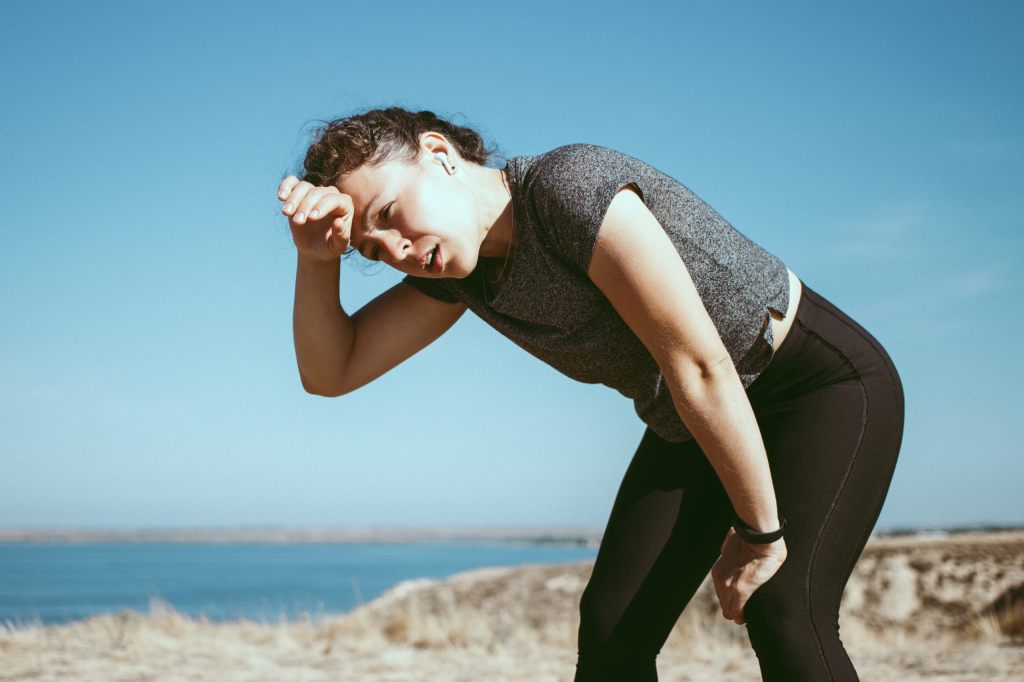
{"type": "Point", "coordinates": [374, 136]}
{"type": "Point", "coordinates": [389, 134]}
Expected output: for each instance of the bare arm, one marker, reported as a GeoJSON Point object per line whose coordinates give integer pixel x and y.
{"type": "Point", "coordinates": [323, 332]}
{"type": "Point", "coordinates": [635, 264]}
{"type": "Point", "coordinates": [337, 353]}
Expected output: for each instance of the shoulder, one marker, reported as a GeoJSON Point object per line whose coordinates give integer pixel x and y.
{"type": "Point", "coordinates": [577, 181]}
{"type": "Point", "coordinates": [583, 160]}
{"type": "Point", "coordinates": [571, 188]}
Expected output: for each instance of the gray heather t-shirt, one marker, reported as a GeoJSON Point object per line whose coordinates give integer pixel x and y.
{"type": "Point", "coordinates": [549, 306]}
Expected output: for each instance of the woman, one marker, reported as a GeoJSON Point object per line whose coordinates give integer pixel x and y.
{"type": "Point", "coordinates": [773, 419]}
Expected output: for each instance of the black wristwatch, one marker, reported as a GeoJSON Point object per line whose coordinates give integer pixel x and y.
{"type": "Point", "coordinates": [757, 538]}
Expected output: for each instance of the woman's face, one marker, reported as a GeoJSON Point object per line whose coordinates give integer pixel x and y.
{"type": "Point", "coordinates": [416, 217]}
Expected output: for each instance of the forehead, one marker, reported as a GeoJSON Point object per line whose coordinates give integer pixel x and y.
{"type": "Point", "coordinates": [364, 182]}
{"type": "Point", "coordinates": [371, 187]}
{"type": "Point", "coordinates": [367, 182]}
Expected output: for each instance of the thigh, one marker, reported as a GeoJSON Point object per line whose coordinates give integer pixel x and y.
{"type": "Point", "coordinates": [831, 416]}
{"type": "Point", "coordinates": [663, 535]}
{"type": "Point", "coordinates": [831, 471]}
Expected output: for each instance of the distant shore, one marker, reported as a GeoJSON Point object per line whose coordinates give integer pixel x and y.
{"type": "Point", "coordinates": [918, 607]}
{"type": "Point", "coordinates": [580, 536]}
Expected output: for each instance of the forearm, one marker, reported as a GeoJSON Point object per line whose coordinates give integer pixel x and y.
{"type": "Point", "coordinates": [714, 407]}
{"type": "Point", "coordinates": [323, 332]}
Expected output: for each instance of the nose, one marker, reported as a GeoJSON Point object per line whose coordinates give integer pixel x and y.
{"type": "Point", "coordinates": [393, 245]}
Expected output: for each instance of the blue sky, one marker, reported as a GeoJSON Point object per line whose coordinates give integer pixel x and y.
{"type": "Point", "coordinates": [147, 277]}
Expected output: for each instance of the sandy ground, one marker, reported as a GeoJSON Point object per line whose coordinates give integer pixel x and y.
{"type": "Point", "coordinates": [915, 609]}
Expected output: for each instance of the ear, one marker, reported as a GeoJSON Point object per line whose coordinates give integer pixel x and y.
{"type": "Point", "coordinates": [432, 143]}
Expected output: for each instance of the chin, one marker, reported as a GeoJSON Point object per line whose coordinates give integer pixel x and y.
{"type": "Point", "coordinates": [459, 269]}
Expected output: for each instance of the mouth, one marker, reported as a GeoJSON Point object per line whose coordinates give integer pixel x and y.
{"type": "Point", "coordinates": [433, 261]}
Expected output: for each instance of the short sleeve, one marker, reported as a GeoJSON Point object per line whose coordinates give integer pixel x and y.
{"type": "Point", "coordinates": [435, 288]}
{"type": "Point", "coordinates": [571, 190]}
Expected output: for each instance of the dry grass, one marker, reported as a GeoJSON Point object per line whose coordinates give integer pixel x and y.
{"type": "Point", "coordinates": [914, 610]}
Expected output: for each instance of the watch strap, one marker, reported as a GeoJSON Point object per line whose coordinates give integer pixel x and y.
{"type": "Point", "coordinates": [754, 537]}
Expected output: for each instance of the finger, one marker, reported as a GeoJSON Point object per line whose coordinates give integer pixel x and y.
{"type": "Point", "coordinates": [735, 612]}
{"type": "Point", "coordinates": [337, 242]}
{"type": "Point", "coordinates": [286, 187]}
{"type": "Point", "coordinates": [723, 597]}
{"type": "Point", "coordinates": [304, 207]}
{"type": "Point", "coordinates": [725, 600]}
{"type": "Point", "coordinates": [330, 202]}
{"type": "Point", "coordinates": [720, 593]}
{"type": "Point", "coordinates": [743, 607]}
{"type": "Point", "coordinates": [297, 194]}
{"type": "Point", "coordinates": [737, 607]}
{"type": "Point", "coordinates": [730, 534]}
{"type": "Point", "coordinates": [338, 234]}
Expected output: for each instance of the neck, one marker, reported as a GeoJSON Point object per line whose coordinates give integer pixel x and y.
{"type": "Point", "coordinates": [495, 213]}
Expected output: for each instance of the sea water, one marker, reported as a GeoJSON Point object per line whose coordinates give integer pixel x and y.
{"type": "Point", "coordinates": [61, 582]}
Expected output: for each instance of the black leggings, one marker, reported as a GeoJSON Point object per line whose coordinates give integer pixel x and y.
{"type": "Point", "coordinates": [830, 410]}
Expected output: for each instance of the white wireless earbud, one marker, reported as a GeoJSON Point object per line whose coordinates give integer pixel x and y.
{"type": "Point", "coordinates": [443, 158]}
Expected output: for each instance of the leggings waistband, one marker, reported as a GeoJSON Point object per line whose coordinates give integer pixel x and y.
{"type": "Point", "coordinates": [826, 344]}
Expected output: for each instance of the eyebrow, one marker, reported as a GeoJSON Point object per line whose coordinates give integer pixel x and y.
{"type": "Point", "coordinates": [366, 217]}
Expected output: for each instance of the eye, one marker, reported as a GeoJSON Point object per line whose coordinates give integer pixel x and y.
{"type": "Point", "coordinates": [385, 213]}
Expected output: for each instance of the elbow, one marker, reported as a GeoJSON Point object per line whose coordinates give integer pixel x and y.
{"type": "Point", "coordinates": [325, 392]}
{"type": "Point", "coordinates": [690, 371]}
{"type": "Point", "coordinates": [712, 369]}
{"type": "Point", "coordinates": [322, 389]}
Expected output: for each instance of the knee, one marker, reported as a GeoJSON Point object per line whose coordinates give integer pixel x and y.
{"type": "Point", "coordinates": [775, 611]}
{"type": "Point", "coordinates": [781, 617]}
{"type": "Point", "coordinates": [609, 648]}
{"type": "Point", "coordinates": [597, 621]}
{"type": "Point", "coordinates": [777, 626]}
{"type": "Point", "coordinates": [791, 640]}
